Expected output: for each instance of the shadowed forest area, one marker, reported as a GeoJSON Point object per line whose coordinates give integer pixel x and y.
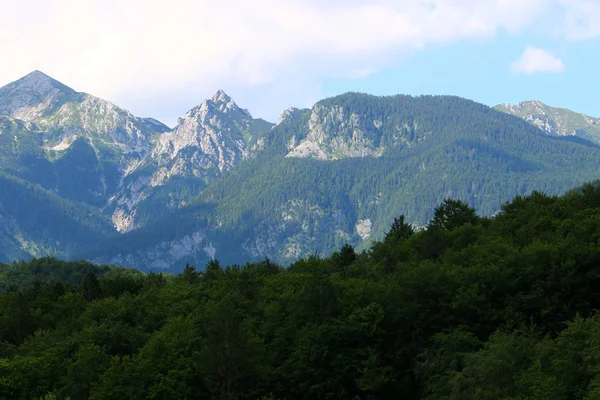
{"type": "Point", "coordinates": [467, 308]}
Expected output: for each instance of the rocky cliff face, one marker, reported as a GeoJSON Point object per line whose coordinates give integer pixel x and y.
{"type": "Point", "coordinates": [224, 184]}
{"type": "Point", "coordinates": [34, 96]}
{"type": "Point", "coordinates": [212, 137]}
{"type": "Point", "coordinates": [354, 126]}
{"type": "Point", "coordinates": [335, 133]}
{"type": "Point", "coordinates": [555, 121]}
{"type": "Point", "coordinates": [208, 140]}
{"type": "Point", "coordinates": [102, 121]}
{"type": "Point", "coordinates": [62, 113]}
{"type": "Point", "coordinates": [71, 131]}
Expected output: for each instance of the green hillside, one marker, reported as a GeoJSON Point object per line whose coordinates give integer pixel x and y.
{"type": "Point", "coordinates": [36, 222]}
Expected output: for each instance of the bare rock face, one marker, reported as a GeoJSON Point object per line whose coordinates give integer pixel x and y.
{"type": "Point", "coordinates": [75, 131]}
{"type": "Point", "coordinates": [34, 96]}
{"type": "Point", "coordinates": [333, 133]}
{"type": "Point", "coordinates": [216, 131]}
{"type": "Point", "coordinates": [62, 113]}
{"type": "Point", "coordinates": [351, 126]}
{"type": "Point", "coordinates": [208, 140]}
{"type": "Point", "coordinates": [287, 114]}
{"type": "Point", "coordinates": [555, 121]}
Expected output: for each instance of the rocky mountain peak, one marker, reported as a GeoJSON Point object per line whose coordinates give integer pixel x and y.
{"type": "Point", "coordinates": [555, 121]}
{"type": "Point", "coordinates": [217, 111]}
{"type": "Point", "coordinates": [209, 139]}
{"type": "Point", "coordinates": [221, 97]}
{"type": "Point", "coordinates": [34, 95]}
{"type": "Point", "coordinates": [287, 113]}
{"type": "Point", "coordinates": [529, 107]}
{"type": "Point", "coordinates": [216, 127]}
{"type": "Point", "coordinates": [38, 82]}
{"type": "Point", "coordinates": [225, 104]}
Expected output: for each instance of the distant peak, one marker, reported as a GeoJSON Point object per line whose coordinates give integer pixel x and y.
{"type": "Point", "coordinates": [221, 96]}
{"type": "Point", "coordinates": [37, 74]}
{"type": "Point", "coordinates": [288, 112]}
{"type": "Point", "coordinates": [526, 105]}
{"type": "Point", "coordinates": [225, 103]}
{"type": "Point", "coordinates": [40, 82]}
{"type": "Point", "coordinates": [220, 102]}
{"type": "Point", "coordinates": [537, 103]}
{"type": "Point", "coordinates": [530, 102]}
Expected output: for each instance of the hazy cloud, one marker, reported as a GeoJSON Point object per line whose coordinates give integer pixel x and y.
{"type": "Point", "coordinates": [534, 60]}
{"type": "Point", "coordinates": [582, 19]}
{"type": "Point", "coordinates": [142, 53]}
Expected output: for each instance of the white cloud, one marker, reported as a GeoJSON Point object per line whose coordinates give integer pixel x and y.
{"type": "Point", "coordinates": [143, 53]}
{"type": "Point", "coordinates": [535, 60]}
{"type": "Point", "coordinates": [582, 19]}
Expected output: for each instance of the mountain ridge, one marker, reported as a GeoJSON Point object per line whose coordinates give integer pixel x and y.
{"type": "Point", "coordinates": [286, 207]}
{"type": "Point", "coordinates": [224, 184]}
{"type": "Point", "coordinates": [555, 120]}
{"type": "Point", "coordinates": [208, 140]}
{"type": "Point", "coordinates": [35, 88]}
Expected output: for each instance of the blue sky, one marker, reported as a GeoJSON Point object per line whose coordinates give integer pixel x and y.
{"type": "Point", "coordinates": [482, 72]}
{"type": "Point", "coordinates": [160, 58]}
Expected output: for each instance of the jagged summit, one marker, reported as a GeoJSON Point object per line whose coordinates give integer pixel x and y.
{"type": "Point", "coordinates": [226, 104]}
{"type": "Point", "coordinates": [221, 96]}
{"type": "Point", "coordinates": [221, 103]}
{"type": "Point", "coordinates": [32, 96]}
{"type": "Point", "coordinates": [35, 81]}
{"type": "Point", "coordinates": [287, 113]}
{"type": "Point", "coordinates": [218, 126]}
{"type": "Point", "coordinates": [529, 105]}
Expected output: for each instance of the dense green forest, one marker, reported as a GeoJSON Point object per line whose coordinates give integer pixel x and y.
{"type": "Point", "coordinates": [36, 221]}
{"type": "Point", "coordinates": [468, 308]}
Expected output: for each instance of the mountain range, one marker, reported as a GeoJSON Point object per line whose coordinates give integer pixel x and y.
{"type": "Point", "coordinates": [555, 121]}
{"type": "Point", "coordinates": [83, 178]}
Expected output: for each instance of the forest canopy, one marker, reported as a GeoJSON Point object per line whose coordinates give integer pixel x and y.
{"type": "Point", "coordinates": [467, 308]}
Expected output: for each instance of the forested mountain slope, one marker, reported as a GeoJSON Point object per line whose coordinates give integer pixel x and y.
{"type": "Point", "coordinates": [384, 156]}
{"type": "Point", "coordinates": [225, 184]}
{"type": "Point", "coordinates": [35, 221]}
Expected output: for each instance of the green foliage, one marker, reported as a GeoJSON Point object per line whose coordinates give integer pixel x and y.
{"type": "Point", "coordinates": [399, 230]}
{"type": "Point", "coordinates": [452, 214]}
{"type": "Point", "coordinates": [49, 270]}
{"type": "Point", "coordinates": [37, 222]}
{"type": "Point", "coordinates": [467, 308]}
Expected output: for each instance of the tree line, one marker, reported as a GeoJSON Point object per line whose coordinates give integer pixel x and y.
{"type": "Point", "coordinates": [469, 307]}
